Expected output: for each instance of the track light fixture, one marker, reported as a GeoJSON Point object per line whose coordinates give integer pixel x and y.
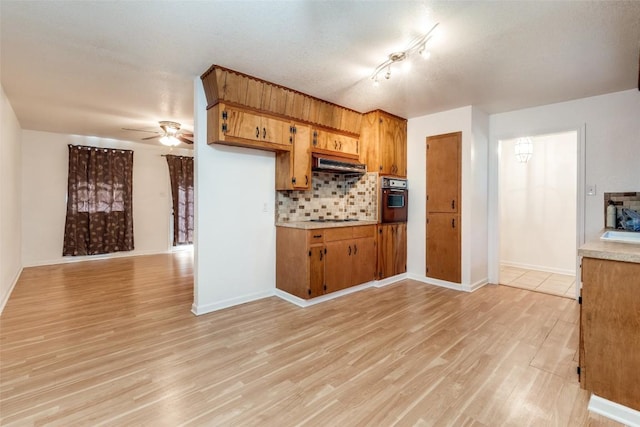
{"type": "Point", "coordinates": [418, 45]}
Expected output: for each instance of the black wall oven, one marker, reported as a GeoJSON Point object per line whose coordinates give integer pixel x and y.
{"type": "Point", "coordinates": [394, 199]}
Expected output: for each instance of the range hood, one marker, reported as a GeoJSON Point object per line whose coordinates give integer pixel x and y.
{"type": "Point", "coordinates": [326, 163]}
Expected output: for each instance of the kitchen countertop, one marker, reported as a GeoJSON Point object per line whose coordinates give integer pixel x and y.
{"type": "Point", "coordinates": [615, 251]}
{"type": "Point", "coordinates": [311, 225]}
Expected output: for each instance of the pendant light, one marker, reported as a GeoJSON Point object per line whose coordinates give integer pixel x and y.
{"type": "Point", "coordinates": [524, 149]}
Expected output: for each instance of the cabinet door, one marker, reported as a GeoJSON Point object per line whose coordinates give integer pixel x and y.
{"type": "Point", "coordinates": [301, 177]}
{"type": "Point", "coordinates": [400, 248]}
{"type": "Point", "coordinates": [393, 146]}
{"type": "Point", "coordinates": [276, 131]}
{"type": "Point", "coordinates": [387, 149]}
{"type": "Point", "coordinates": [443, 172]}
{"type": "Point", "coordinates": [443, 247]}
{"type": "Point", "coordinates": [335, 142]}
{"type": "Point", "coordinates": [363, 261]}
{"type": "Point", "coordinates": [316, 270]}
{"type": "Point", "coordinates": [338, 265]}
{"type": "Point", "coordinates": [392, 250]}
{"type": "Point", "coordinates": [242, 124]}
{"type": "Point", "coordinates": [610, 351]}
{"type": "Point", "coordinates": [385, 251]}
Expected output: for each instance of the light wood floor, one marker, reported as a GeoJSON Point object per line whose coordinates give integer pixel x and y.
{"type": "Point", "coordinates": [114, 343]}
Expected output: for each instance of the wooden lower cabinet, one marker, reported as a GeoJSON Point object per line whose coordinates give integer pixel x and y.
{"type": "Point", "coordinates": [310, 263]}
{"type": "Point", "coordinates": [392, 250]}
{"type": "Point", "coordinates": [443, 247]}
{"type": "Point", "coordinates": [609, 330]}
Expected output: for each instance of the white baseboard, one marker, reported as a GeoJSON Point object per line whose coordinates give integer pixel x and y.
{"type": "Point", "coordinates": [449, 285]}
{"type": "Point", "coordinates": [390, 280]}
{"type": "Point", "coordinates": [208, 308]}
{"type": "Point", "coordinates": [70, 259]}
{"type": "Point", "coordinates": [5, 298]}
{"type": "Point", "coordinates": [614, 411]}
{"type": "Point", "coordinates": [570, 272]}
{"type": "Point", "coordinates": [306, 303]}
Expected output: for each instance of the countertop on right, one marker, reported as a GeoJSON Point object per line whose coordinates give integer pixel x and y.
{"type": "Point", "coordinates": [615, 251]}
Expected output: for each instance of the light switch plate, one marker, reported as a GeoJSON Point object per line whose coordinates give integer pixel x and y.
{"type": "Point", "coordinates": [591, 190]}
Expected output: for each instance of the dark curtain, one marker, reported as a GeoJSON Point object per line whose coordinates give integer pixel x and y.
{"type": "Point", "coordinates": [99, 207]}
{"type": "Point", "coordinates": [181, 174]}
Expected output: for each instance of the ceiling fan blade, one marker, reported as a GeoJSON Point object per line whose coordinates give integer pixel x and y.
{"type": "Point", "coordinates": [151, 137]}
{"type": "Point", "coordinates": [183, 139]}
{"type": "Point", "coordinates": [187, 134]}
{"type": "Point", "coordinates": [140, 130]}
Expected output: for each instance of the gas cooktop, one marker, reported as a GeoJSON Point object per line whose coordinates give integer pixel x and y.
{"type": "Point", "coordinates": [335, 220]}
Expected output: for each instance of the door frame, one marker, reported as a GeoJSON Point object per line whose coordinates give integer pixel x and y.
{"type": "Point", "coordinates": [494, 197]}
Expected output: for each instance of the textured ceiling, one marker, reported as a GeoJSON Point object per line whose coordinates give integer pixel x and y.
{"type": "Point", "coordinates": [93, 67]}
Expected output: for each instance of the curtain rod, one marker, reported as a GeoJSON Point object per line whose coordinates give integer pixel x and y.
{"type": "Point", "coordinates": [165, 155]}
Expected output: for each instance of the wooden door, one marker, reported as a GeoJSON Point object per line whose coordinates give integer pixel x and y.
{"type": "Point", "coordinates": [363, 260]}
{"type": "Point", "coordinates": [316, 270]}
{"type": "Point", "coordinates": [338, 265]}
{"type": "Point", "coordinates": [443, 172]}
{"type": "Point", "coordinates": [301, 175]}
{"type": "Point", "coordinates": [443, 247]}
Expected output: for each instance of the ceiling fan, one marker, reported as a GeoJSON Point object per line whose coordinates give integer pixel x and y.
{"type": "Point", "coordinates": [170, 135]}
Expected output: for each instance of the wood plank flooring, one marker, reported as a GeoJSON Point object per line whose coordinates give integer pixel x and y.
{"type": "Point", "coordinates": [113, 342]}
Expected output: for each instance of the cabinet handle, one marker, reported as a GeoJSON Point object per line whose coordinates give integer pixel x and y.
{"type": "Point", "coordinates": [357, 146]}
{"type": "Point", "coordinates": [355, 249]}
{"type": "Point", "coordinates": [315, 138]}
{"type": "Point", "coordinates": [306, 180]}
{"type": "Point", "coordinates": [453, 204]}
{"type": "Point", "coordinates": [453, 223]}
{"type": "Point", "coordinates": [335, 144]}
{"type": "Point", "coordinates": [340, 144]}
{"type": "Point", "coordinates": [349, 250]}
{"type": "Point", "coordinates": [264, 133]}
{"type": "Point", "coordinates": [257, 132]}
{"type": "Point", "coordinates": [317, 236]}
{"type": "Point", "coordinates": [321, 255]}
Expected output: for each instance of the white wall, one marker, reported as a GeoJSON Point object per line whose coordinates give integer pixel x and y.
{"type": "Point", "coordinates": [234, 237]}
{"type": "Point", "coordinates": [44, 176]}
{"type": "Point", "coordinates": [10, 206]}
{"type": "Point", "coordinates": [538, 204]}
{"type": "Point", "coordinates": [478, 200]}
{"type": "Point", "coordinates": [612, 139]}
{"type": "Point", "coordinates": [474, 189]}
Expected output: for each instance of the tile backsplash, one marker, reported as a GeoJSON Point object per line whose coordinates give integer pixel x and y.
{"type": "Point", "coordinates": [630, 200]}
{"type": "Point", "coordinates": [332, 196]}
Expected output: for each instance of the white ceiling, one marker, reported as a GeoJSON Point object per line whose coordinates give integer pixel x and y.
{"type": "Point", "coordinates": [94, 67]}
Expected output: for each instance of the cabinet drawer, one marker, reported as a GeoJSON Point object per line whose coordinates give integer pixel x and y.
{"type": "Point", "coordinates": [339, 233]}
{"type": "Point", "coordinates": [364, 231]}
{"type": "Point", "coordinates": [315, 236]}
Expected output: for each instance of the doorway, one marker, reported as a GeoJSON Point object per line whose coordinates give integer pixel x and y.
{"type": "Point", "coordinates": [538, 213]}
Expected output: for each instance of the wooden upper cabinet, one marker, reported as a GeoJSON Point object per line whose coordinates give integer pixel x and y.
{"type": "Point", "coordinates": [293, 168]}
{"type": "Point", "coordinates": [443, 172]}
{"type": "Point", "coordinates": [384, 143]}
{"type": "Point", "coordinates": [335, 143]}
{"type": "Point", "coordinates": [232, 125]}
